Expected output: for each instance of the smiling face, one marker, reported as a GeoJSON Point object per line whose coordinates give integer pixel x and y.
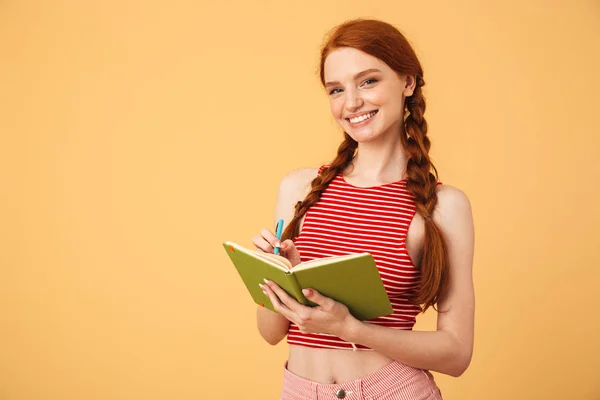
{"type": "Point", "coordinates": [366, 96]}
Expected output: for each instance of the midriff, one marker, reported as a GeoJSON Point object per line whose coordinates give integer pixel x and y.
{"type": "Point", "coordinates": [334, 365]}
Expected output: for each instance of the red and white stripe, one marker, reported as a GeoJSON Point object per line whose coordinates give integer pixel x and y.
{"type": "Point", "coordinates": [348, 219]}
{"type": "Point", "coordinates": [394, 381]}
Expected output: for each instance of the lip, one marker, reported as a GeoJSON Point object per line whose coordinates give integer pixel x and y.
{"type": "Point", "coordinates": [361, 123]}
{"type": "Point", "coordinates": [347, 117]}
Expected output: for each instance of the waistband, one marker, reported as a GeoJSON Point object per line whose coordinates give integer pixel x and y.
{"type": "Point", "coordinates": [395, 374]}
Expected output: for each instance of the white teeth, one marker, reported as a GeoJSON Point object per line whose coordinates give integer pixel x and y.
{"type": "Point", "coordinates": [362, 117]}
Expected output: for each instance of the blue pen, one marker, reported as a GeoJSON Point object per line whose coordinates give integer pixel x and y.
{"type": "Point", "coordinates": [278, 230]}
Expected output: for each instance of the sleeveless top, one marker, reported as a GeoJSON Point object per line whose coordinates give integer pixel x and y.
{"type": "Point", "coordinates": [349, 219]}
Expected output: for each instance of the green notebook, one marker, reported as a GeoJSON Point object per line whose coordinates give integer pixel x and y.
{"type": "Point", "coordinates": [352, 279]}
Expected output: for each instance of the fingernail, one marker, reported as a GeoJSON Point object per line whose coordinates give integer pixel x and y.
{"type": "Point", "coordinates": [260, 286]}
{"type": "Point", "coordinates": [277, 244]}
{"type": "Point", "coordinates": [264, 292]}
{"type": "Point", "coordinates": [266, 280]}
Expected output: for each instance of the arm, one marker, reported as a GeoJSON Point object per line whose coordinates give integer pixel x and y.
{"type": "Point", "coordinates": [271, 326]}
{"type": "Point", "coordinates": [448, 349]}
{"type": "Point", "coordinates": [293, 188]}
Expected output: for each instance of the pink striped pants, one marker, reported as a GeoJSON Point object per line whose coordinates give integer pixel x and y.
{"type": "Point", "coordinates": [394, 381]}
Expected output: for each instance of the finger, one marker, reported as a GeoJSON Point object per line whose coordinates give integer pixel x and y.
{"type": "Point", "coordinates": [269, 237]}
{"type": "Point", "coordinates": [326, 303]}
{"type": "Point", "coordinates": [277, 304]}
{"type": "Point", "coordinates": [261, 244]}
{"type": "Point", "coordinates": [284, 297]}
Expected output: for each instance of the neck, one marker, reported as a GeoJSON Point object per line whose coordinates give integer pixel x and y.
{"type": "Point", "coordinates": [379, 161]}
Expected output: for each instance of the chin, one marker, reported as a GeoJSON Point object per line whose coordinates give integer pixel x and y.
{"type": "Point", "coordinates": [366, 136]}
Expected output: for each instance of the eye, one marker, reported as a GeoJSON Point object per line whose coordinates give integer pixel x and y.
{"type": "Point", "coordinates": [368, 80]}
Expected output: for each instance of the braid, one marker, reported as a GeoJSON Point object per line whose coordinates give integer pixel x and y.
{"type": "Point", "coordinates": [422, 184]}
{"type": "Point", "coordinates": [345, 154]}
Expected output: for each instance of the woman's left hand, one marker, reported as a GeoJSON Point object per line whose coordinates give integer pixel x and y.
{"type": "Point", "coordinates": [329, 316]}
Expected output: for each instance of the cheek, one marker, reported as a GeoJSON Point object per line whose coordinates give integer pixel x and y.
{"type": "Point", "coordinates": [336, 107]}
{"type": "Point", "coordinates": [382, 96]}
{"type": "Point", "coordinates": [391, 102]}
{"type": "Point", "coordinates": [375, 98]}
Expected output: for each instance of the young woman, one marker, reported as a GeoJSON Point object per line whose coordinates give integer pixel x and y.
{"type": "Point", "coordinates": [378, 195]}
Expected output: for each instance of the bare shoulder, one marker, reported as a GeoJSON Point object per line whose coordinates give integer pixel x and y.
{"type": "Point", "coordinates": [294, 187]}
{"type": "Point", "coordinates": [454, 216]}
{"type": "Point", "coordinates": [296, 183]}
{"type": "Point", "coordinates": [453, 204]}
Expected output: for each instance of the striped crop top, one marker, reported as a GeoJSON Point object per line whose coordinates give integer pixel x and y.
{"type": "Point", "coordinates": [350, 219]}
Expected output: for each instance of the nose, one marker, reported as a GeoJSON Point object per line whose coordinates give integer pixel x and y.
{"type": "Point", "coordinates": [353, 100]}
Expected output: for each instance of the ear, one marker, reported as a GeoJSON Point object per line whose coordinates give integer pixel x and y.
{"type": "Point", "coordinates": [409, 86]}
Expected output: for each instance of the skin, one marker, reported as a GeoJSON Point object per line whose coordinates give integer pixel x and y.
{"type": "Point", "coordinates": [380, 159]}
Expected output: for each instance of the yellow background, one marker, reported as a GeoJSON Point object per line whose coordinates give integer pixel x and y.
{"type": "Point", "coordinates": [136, 136]}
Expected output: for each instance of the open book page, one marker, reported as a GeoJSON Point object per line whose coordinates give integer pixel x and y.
{"type": "Point", "coordinates": [284, 262]}
{"type": "Point", "coordinates": [325, 260]}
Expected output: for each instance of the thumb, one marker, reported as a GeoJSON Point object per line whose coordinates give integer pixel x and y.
{"type": "Point", "coordinates": [324, 303]}
{"type": "Point", "coordinates": [314, 296]}
{"type": "Point", "coordinates": [288, 245]}
{"type": "Point", "coordinates": [291, 252]}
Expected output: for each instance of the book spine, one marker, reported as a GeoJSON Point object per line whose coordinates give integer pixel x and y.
{"type": "Point", "coordinates": [297, 290]}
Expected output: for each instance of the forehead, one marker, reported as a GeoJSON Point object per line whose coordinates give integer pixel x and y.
{"type": "Point", "coordinates": [344, 62]}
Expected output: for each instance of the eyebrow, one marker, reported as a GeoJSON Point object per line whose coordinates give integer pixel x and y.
{"type": "Point", "coordinates": [355, 76]}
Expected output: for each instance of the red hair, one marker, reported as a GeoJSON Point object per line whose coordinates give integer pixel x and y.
{"type": "Point", "coordinates": [385, 42]}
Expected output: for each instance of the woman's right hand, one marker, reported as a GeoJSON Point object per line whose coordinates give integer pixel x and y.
{"type": "Point", "coordinates": [267, 241]}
